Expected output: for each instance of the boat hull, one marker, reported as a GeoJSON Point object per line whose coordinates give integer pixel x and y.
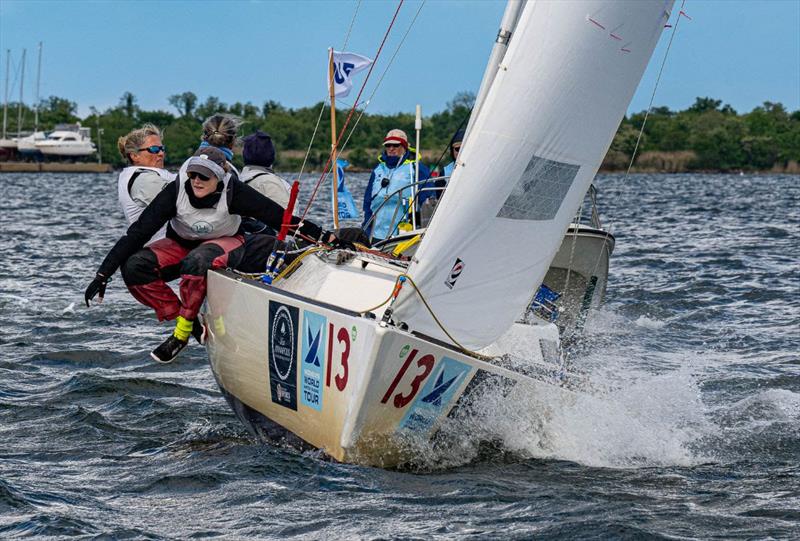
{"type": "Point", "coordinates": [360, 391]}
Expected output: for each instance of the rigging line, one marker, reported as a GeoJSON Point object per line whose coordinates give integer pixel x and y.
{"type": "Point", "coordinates": [311, 142]}
{"type": "Point", "coordinates": [352, 21]}
{"type": "Point", "coordinates": [350, 114]}
{"type": "Point", "coordinates": [655, 88]}
{"type": "Point", "coordinates": [383, 75]}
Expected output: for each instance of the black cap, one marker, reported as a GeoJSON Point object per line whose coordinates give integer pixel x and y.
{"type": "Point", "coordinates": [258, 149]}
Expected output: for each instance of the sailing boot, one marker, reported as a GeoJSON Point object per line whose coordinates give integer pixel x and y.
{"type": "Point", "coordinates": [169, 349]}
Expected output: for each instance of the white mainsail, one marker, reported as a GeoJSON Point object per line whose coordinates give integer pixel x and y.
{"type": "Point", "coordinates": [546, 123]}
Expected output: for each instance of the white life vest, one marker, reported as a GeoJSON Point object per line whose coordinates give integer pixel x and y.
{"type": "Point", "coordinates": [203, 224]}
{"type": "Point", "coordinates": [133, 209]}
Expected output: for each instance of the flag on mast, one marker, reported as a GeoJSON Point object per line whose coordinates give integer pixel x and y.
{"type": "Point", "coordinates": [346, 65]}
{"type": "Point", "coordinates": [347, 209]}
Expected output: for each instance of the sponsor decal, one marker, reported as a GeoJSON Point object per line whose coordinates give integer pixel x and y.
{"type": "Point", "coordinates": [353, 333]}
{"type": "Point", "coordinates": [282, 354]}
{"type": "Point", "coordinates": [313, 353]}
{"type": "Point", "coordinates": [202, 228]}
{"type": "Point", "coordinates": [455, 272]}
{"type": "Point", "coordinates": [436, 394]}
{"type": "Point", "coordinates": [405, 350]}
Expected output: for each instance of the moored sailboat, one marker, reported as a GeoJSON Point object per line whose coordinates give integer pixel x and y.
{"type": "Point", "coordinates": [360, 353]}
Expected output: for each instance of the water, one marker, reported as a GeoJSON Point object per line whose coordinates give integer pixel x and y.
{"type": "Point", "coordinates": [689, 426]}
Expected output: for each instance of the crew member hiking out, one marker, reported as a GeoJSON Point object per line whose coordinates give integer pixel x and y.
{"type": "Point", "coordinates": [202, 210]}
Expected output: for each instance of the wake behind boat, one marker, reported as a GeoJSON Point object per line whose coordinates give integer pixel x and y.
{"type": "Point", "coordinates": [360, 353]}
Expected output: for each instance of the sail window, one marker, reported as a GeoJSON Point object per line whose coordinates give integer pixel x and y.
{"type": "Point", "coordinates": [540, 190]}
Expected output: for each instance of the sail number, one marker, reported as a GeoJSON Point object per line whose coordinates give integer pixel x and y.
{"type": "Point", "coordinates": [343, 339]}
{"type": "Point", "coordinates": [425, 363]}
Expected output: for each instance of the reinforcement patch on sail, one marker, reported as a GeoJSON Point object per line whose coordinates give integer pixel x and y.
{"type": "Point", "coordinates": [540, 190]}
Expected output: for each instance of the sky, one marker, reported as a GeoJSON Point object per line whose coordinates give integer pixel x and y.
{"type": "Point", "coordinates": [741, 52]}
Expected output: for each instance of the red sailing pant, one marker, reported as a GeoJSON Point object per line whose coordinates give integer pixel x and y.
{"type": "Point", "coordinates": [147, 272]}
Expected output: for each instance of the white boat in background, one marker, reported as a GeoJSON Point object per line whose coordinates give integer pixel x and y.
{"type": "Point", "coordinates": [367, 355]}
{"type": "Point", "coordinates": [67, 141]}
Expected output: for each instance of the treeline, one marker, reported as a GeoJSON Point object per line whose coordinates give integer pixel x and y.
{"type": "Point", "coordinates": [706, 136]}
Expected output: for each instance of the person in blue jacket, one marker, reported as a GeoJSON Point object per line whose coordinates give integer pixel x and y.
{"type": "Point", "coordinates": [455, 148]}
{"type": "Point", "coordinates": [386, 199]}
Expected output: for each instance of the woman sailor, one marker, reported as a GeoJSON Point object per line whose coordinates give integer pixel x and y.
{"type": "Point", "coordinates": [202, 210]}
{"type": "Point", "coordinates": [145, 176]}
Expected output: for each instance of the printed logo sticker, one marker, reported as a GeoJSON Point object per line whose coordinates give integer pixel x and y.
{"type": "Point", "coordinates": [436, 394]}
{"type": "Point", "coordinates": [313, 350]}
{"type": "Point", "coordinates": [202, 228]}
{"type": "Point", "coordinates": [282, 354]}
{"type": "Point", "coordinates": [455, 272]}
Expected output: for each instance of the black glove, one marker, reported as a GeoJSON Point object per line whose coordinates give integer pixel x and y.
{"type": "Point", "coordinates": [343, 244]}
{"type": "Point", "coordinates": [97, 287]}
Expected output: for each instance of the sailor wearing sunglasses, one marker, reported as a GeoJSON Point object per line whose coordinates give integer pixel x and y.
{"type": "Point", "coordinates": [203, 211]}
{"type": "Point", "coordinates": [145, 176]}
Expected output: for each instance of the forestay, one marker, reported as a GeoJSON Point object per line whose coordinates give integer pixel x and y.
{"type": "Point", "coordinates": [549, 117]}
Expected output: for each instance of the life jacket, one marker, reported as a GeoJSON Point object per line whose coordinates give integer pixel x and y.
{"type": "Point", "coordinates": [133, 209]}
{"type": "Point", "coordinates": [203, 224]}
{"type": "Point", "coordinates": [447, 170]}
{"type": "Point", "coordinates": [395, 210]}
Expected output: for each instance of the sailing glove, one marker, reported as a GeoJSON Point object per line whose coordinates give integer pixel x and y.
{"type": "Point", "coordinates": [96, 287]}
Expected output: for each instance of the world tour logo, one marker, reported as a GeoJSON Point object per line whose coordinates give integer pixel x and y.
{"type": "Point", "coordinates": [282, 354]}
{"type": "Point", "coordinates": [313, 354]}
{"type": "Point", "coordinates": [455, 272]}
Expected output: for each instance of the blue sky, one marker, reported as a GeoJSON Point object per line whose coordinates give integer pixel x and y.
{"type": "Point", "coordinates": [741, 52]}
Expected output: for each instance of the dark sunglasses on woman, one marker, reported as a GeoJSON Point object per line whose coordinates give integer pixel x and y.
{"type": "Point", "coordinates": [198, 176]}
{"type": "Point", "coordinates": [154, 149]}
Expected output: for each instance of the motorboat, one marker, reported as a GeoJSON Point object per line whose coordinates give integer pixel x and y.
{"type": "Point", "coordinates": [67, 141]}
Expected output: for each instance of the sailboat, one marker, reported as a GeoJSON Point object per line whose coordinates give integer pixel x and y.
{"type": "Point", "coordinates": [27, 145]}
{"type": "Point", "coordinates": [364, 355]}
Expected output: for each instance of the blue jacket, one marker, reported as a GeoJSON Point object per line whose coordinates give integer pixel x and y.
{"type": "Point", "coordinates": [392, 174]}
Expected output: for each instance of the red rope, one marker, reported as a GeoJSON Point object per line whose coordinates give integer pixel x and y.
{"type": "Point", "coordinates": [350, 114]}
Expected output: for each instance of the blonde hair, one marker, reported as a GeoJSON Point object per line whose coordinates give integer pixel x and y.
{"type": "Point", "coordinates": [131, 143]}
{"type": "Point", "coordinates": [220, 130]}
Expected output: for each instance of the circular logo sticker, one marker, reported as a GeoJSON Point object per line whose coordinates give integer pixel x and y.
{"type": "Point", "coordinates": [404, 351]}
{"type": "Point", "coordinates": [282, 342]}
{"type": "Point", "coordinates": [353, 333]}
{"type": "Point", "coordinates": [202, 228]}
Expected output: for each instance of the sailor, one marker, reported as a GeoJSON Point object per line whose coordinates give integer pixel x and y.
{"type": "Point", "coordinates": [219, 131]}
{"type": "Point", "coordinates": [202, 209]}
{"type": "Point", "coordinates": [145, 176]}
{"type": "Point", "coordinates": [455, 148]}
{"type": "Point", "coordinates": [389, 188]}
{"type": "Point", "coordinates": [259, 155]}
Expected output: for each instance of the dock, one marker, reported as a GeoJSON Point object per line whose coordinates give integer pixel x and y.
{"type": "Point", "coordinates": [54, 167]}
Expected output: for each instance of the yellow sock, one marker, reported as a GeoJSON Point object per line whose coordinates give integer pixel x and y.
{"type": "Point", "coordinates": [183, 329]}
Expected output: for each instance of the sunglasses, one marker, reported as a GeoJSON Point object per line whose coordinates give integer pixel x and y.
{"type": "Point", "coordinates": [456, 149]}
{"type": "Point", "coordinates": [392, 145]}
{"type": "Point", "coordinates": [198, 176]}
{"type": "Point", "coordinates": [155, 149]}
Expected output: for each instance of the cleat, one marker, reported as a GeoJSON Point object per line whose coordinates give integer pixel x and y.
{"type": "Point", "coordinates": [199, 331]}
{"type": "Point", "coordinates": [168, 350]}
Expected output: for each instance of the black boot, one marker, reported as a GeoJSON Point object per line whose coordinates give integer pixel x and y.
{"type": "Point", "coordinates": [168, 350]}
{"type": "Point", "coordinates": [199, 331]}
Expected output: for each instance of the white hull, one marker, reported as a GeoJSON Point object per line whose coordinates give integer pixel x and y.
{"type": "Point", "coordinates": [27, 145]}
{"type": "Point", "coordinates": [65, 150]}
{"type": "Point", "coordinates": [372, 393]}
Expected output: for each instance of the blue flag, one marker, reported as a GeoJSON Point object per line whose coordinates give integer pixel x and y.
{"type": "Point", "coordinates": [347, 206]}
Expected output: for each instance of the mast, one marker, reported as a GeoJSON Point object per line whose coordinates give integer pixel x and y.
{"type": "Point", "coordinates": [5, 104]}
{"type": "Point", "coordinates": [38, 81]}
{"type": "Point", "coordinates": [418, 128]}
{"type": "Point", "coordinates": [19, 105]}
{"type": "Point", "coordinates": [334, 165]}
{"type": "Point", "coordinates": [507, 26]}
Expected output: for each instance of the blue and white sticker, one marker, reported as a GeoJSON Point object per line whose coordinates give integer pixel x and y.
{"type": "Point", "coordinates": [437, 393]}
{"type": "Point", "coordinates": [313, 351]}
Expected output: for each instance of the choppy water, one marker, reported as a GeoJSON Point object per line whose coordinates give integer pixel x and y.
{"type": "Point", "coordinates": [690, 428]}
